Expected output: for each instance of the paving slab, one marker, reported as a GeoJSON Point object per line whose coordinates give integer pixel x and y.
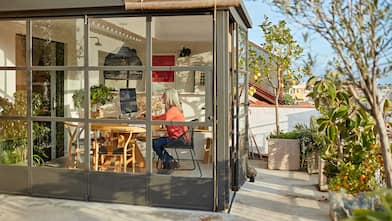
{"type": "Point", "coordinates": [281, 195]}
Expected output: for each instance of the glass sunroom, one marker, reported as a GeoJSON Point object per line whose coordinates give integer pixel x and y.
{"type": "Point", "coordinates": [81, 82]}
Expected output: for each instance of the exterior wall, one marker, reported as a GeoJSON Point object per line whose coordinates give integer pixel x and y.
{"type": "Point", "coordinates": [262, 122]}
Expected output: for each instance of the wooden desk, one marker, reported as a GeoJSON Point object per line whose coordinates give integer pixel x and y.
{"type": "Point", "coordinates": [73, 127]}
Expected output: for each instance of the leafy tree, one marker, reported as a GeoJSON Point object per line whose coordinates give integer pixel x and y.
{"type": "Point", "coordinates": [347, 136]}
{"type": "Point", "coordinates": [275, 67]}
{"type": "Point", "coordinates": [359, 31]}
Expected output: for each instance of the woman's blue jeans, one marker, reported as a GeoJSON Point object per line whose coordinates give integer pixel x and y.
{"type": "Point", "coordinates": [159, 145]}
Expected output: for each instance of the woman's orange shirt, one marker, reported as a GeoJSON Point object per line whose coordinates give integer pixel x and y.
{"type": "Point", "coordinates": [173, 114]}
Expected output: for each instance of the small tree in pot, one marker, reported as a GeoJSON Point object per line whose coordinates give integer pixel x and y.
{"type": "Point", "coordinates": [99, 95]}
{"type": "Point", "coordinates": [348, 137]}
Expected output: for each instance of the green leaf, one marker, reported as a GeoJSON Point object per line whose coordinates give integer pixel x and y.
{"type": "Point", "coordinates": [331, 132]}
{"type": "Point", "coordinates": [332, 91]}
{"type": "Point", "coordinates": [311, 81]}
{"type": "Point", "coordinates": [341, 111]}
{"type": "Point", "coordinates": [387, 106]}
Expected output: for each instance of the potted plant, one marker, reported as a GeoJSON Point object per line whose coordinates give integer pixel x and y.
{"type": "Point", "coordinates": [347, 136]}
{"type": "Point", "coordinates": [99, 95]}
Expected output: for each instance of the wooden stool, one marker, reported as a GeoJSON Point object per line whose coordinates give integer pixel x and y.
{"type": "Point", "coordinates": [207, 151]}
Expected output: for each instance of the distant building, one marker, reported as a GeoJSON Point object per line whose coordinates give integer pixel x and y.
{"type": "Point", "coordinates": [264, 92]}
{"type": "Point", "coordinates": [299, 93]}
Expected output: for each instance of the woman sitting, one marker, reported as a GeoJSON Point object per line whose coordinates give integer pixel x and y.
{"type": "Point", "coordinates": [173, 112]}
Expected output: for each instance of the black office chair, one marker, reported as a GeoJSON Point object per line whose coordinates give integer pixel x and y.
{"type": "Point", "coordinates": [180, 145]}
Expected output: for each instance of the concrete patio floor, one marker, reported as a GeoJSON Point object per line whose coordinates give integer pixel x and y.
{"type": "Point", "coordinates": [275, 195]}
{"type": "Point", "coordinates": [280, 196]}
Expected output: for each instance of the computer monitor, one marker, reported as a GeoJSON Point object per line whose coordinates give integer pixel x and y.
{"type": "Point", "coordinates": [128, 102]}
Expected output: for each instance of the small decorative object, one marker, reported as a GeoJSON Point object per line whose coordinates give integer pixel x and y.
{"type": "Point", "coordinates": [185, 52]}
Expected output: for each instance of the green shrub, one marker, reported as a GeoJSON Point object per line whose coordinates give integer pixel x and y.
{"type": "Point", "coordinates": [348, 137]}
{"type": "Point", "coordinates": [298, 132]}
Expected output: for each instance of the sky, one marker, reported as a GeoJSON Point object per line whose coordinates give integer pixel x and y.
{"type": "Point", "coordinates": [319, 49]}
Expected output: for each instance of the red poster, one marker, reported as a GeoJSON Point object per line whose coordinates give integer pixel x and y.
{"type": "Point", "coordinates": [163, 60]}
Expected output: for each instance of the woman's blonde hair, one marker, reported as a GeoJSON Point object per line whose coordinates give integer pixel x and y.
{"type": "Point", "coordinates": [172, 99]}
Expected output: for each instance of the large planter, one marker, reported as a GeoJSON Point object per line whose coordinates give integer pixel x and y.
{"type": "Point", "coordinates": [312, 162]}
{"type": "Point", "coordinates": [283, 154]}
{"type": "Point", "coordinates": [323, 185]}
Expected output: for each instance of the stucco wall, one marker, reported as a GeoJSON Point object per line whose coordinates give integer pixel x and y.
{"type": "Point", "coordinates": [262, 122]}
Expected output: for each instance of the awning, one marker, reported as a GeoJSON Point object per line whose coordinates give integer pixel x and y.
{"type": "Point", "coordinates": [178, 4]}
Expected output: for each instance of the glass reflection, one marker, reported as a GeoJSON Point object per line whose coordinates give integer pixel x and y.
{"type": "Point", "coordinates": [117, 42]}
{"type": "Point", "coordinates": [58, 93]}
{"type": "Point", "coordinates": [13, 43]}
{"type": "Point", "coordinates": [58, 42]}
{"type": "Point", "coordinates": [13, 93]}
{"type": "Point", "coordinates": [13, 142]}
{"type": "Point", "coordinates": [187, 38]}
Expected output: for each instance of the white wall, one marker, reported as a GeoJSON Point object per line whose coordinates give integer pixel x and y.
{"type": "Point", "coordinates": [262, 122]}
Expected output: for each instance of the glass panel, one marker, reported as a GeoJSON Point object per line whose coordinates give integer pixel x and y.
{"type": "Point", "coordinates": [242, 112]}
{"type": "Point", "coordinates": [187, 38]}
{"type": "Point", "coordinates": [242, 49]}
{"type": "Point", "coordinates": [58, 93]}
{"type": "Point", "coordinates": [234, 49]}
{"type": "Point", "coordinates": [118, 147]}
{"type": "Point", "coordinates": [183, 81]}
{"type": "Point", "coordinates": [190, 92]}
{"type": "Point", "coordinates": [13, 93]}
{"type": "Point", "coordinates": [13, 142]}
{"type": "Point", "coordinates": [58, 42]}
{"type": "Point", "coordinates": [189, 155]}
{"type": "Point", "coordinates": [117, 42]}
{"type": "Point", "coordinates": [51, 141]}
{"type": "Point", "coordinates": [12, 43]}
{"type": "Point", "coordinates": [42, 146]}
{"type": "Point", "coordinates": [242, 90]}
{"type": "Point", "coordinates": [116, 98]}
